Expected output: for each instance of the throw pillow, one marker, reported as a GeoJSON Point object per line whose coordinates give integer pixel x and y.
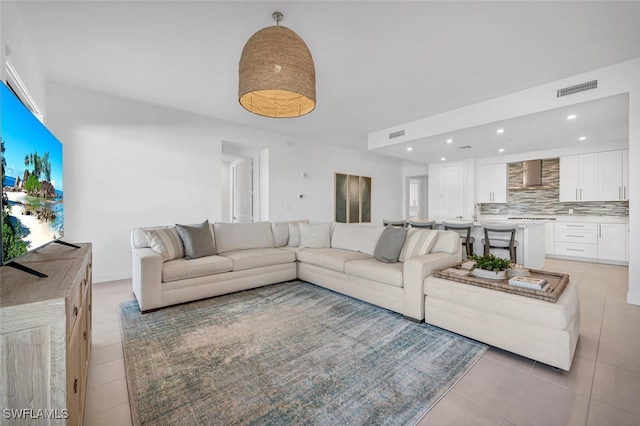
{"type": "Point", "coordinates": [315, 235]}
{"type": "Point", "coordinates": [294, 235]}
{"type": "Point", "coordinates": [197, 240]}
{"type": "Point", "coordinates": [390, 244]}
{"type": "Point", "coordinates": [418, 242]}
{"type": "Point", "coordinates": [166, 242]}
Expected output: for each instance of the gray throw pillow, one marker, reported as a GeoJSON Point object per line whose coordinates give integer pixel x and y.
{"type": "Point", "coordinates": [197, 240]}
{"type": "Point", "coordinates": [390, 244]}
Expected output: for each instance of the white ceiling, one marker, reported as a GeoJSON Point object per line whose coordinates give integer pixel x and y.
{"type": "Point", "coordinates": [378, 64]}
{"type": "Point", "coordinates": [600, 122]}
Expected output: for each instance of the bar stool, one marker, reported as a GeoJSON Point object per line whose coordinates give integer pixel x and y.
{"type": "Point", "coordinates": [425, 225]}
{"type": "Point", "coordinates": [493, 239]}
{"type": "Point", "coordinates": [400, 223]}
{"type": "Point", "coordinates": [464, 229]}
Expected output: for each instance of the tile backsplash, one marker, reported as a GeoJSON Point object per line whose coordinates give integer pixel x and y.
{"type": "Point", "coordinates": [545, 201]}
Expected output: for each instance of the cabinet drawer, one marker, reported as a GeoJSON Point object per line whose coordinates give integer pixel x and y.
{"type": "Point", "coordinates": [577, 250]}
{"type": "Point", "coordinates": [577, 233]}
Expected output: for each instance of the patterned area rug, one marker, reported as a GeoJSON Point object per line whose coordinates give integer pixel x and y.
{"type": "Point", "coordinates": [289, 353]}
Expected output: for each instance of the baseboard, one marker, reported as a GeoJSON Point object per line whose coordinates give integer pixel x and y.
{"type": "Point", "coordinates": [101, 278]}
{"type": "Point", "coordinates": [587, 259]}
{"type": "Point", "coordinates": [633, 298]}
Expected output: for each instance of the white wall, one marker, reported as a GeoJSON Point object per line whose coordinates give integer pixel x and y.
{"type": "Point", "coordinates": [225, 192]}
{"type": "Point", "coordinates": [128, 164]}
{"type": "Point", "coordinates": [320, 163]}
{"type": "Point", "coordinates": [21, 53]}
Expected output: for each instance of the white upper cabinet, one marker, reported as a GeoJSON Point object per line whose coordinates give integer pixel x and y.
{"type": "Point", "coordinates": [579, 177]}
{"type": "Point", "coordinates": [492, 183]}
{"type": "Point", "coordinates": [614, 175]}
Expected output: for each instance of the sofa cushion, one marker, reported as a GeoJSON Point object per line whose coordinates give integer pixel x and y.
{"type": "Point", "coordinates": [256, 258]}
{"type": "Point", "coordinates": [330, 258]}
{"type": "Point", "coordinates": [197, 240]}
{"type": "Point", "coordinates": [355, 237]}
{"type": "Point", "coordinates": [418, 242]}
{"type": "Point", "coordinates": [180, 269]}
{"type": "Point", "coordinates": [315, 235]}
{"type": "Point", "coordinates": [447, 241]}
{"type": "Point", "coordinates": [166, 242]}
{"type": "Point", "coordinates": [280, 232]}
{"type": "Point", "coordinates": [242, 236]}
{"type": "Point", "coordinates": [390, 244]}
{"type": "Point", "coordinates": [372, 269]}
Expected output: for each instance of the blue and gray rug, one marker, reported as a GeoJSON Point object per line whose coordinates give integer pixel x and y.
{"type": "Point", "coordinates": [290, 353]}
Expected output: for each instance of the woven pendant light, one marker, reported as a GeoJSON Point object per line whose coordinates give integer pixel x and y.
{"type": "Point", "coordinates": [277, 74]}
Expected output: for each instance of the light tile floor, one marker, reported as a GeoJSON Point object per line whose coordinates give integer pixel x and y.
{"type": "Point", "coordinates": [602, 388]}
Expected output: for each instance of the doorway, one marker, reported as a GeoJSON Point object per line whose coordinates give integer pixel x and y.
{"type": "Point", "coordinates": [242, 190]}
{"type": "Point", "coordinates": [417, 197]}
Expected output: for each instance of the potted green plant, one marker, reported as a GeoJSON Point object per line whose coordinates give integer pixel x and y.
{"type": "Point", "coordinates": [490, 266]}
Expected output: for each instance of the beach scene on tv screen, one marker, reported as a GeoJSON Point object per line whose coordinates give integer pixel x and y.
{"type": "Point", "coordinates": [32, 191]}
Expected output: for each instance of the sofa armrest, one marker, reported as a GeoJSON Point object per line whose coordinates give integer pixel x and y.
{"type": "Point", "coordinates": [415, 270]}
{"type": "Point", "coordinates": [147, 278]}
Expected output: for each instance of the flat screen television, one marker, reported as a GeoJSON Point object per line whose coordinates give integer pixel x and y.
{"type": "Point", "coordinates": [32, 186]}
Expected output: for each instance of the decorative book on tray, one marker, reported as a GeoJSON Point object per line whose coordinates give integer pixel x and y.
{"type": "Point", "coordinates": [528, 282]}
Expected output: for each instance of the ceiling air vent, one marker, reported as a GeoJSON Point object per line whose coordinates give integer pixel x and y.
{"type": "Point", "coordinates": [464, 147]}
{"type": "Point", "coordinates": [396, 134]}
{"type": "Point", "coordinates": [577, 88]}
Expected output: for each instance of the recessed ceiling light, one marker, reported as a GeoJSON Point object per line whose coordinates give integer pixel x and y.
{"type": "Point", "coordinates": [449, 140]}
{"type": "Point", "coordinates": [571, 117]}
{"type": "Point", "coordinates": [500, 131]}
{"type": "Point", "coordinates": [582, 138]}
{"type": "Point", "coordinates": [409, 148]}
{"type": "Point", "coordinates": [501, 150]}
{"type": "Point", "coordinates": [442, 158]}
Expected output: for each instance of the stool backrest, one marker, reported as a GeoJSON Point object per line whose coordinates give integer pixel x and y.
{"type": "Point", "coordinates": [499, 232]}
{"type": "Point", "coordinates": [400, 223]}
{"type": "Point", "coordinates": [462, 228]}
{"type": "Point", "coordinates": [426, 225]}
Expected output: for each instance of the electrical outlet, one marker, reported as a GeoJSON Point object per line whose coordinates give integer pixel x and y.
{"type": "Point", "coordinates": [570, 211]}
{"type": "Point", "coordinates": [495, 210]}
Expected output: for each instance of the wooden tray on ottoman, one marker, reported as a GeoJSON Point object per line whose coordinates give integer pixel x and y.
{"type": "Point", "coordinates": [556, 283]}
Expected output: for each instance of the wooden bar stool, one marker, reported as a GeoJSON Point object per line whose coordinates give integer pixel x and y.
{"type": "Point", "coordinates": [464, 229]}
{"type": "Point", "coordinates": [425, 225]}
{"type": "Point", "coordinates": [494, 237]}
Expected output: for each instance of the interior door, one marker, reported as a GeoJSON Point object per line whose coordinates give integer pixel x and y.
{"type": "Point", "coordinates": [242, 190]}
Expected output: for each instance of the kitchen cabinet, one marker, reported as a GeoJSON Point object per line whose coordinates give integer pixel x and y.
{"type": "Point", "coordinates": [492, 183]}
{"type": "Point", "coordinates": [577, 239]}
{"type": "Point", "coordinates": [451, 191]}
{"type": "Point", "coordinates": [613, 171]}
{"type": "Point", "coordinates": [612, 241]}
{"type": "Point", "coordinates": [579, 177]}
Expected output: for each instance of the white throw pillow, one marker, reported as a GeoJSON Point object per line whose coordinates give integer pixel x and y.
{"type": "Point", "coordinates": [294, 235]}
{"type": "Point", "coordinates": [315, 235]}
{"type": "Point", "coordinates": [166, 242]}
{"type": "Point", "coordinates": [447, 242]}
{"type": "Point", "coordinates": [418, 242]}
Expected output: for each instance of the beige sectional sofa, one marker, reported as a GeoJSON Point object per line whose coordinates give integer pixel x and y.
{"type": "Point", "coordinates": [336, 256]}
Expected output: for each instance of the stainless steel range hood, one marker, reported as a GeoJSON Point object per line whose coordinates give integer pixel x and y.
{"type": "Point", "coordinates": [532, 173]}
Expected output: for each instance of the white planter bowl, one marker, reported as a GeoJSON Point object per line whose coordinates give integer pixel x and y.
{"type": "Point", "coordinates": [489, 275]}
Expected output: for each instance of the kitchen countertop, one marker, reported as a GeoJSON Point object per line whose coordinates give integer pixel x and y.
{"type": "Point", "coordinates": [562, 218]}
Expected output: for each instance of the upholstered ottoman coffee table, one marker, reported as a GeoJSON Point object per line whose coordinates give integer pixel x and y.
{"type": "Point", "coordinates": [537, 329]}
